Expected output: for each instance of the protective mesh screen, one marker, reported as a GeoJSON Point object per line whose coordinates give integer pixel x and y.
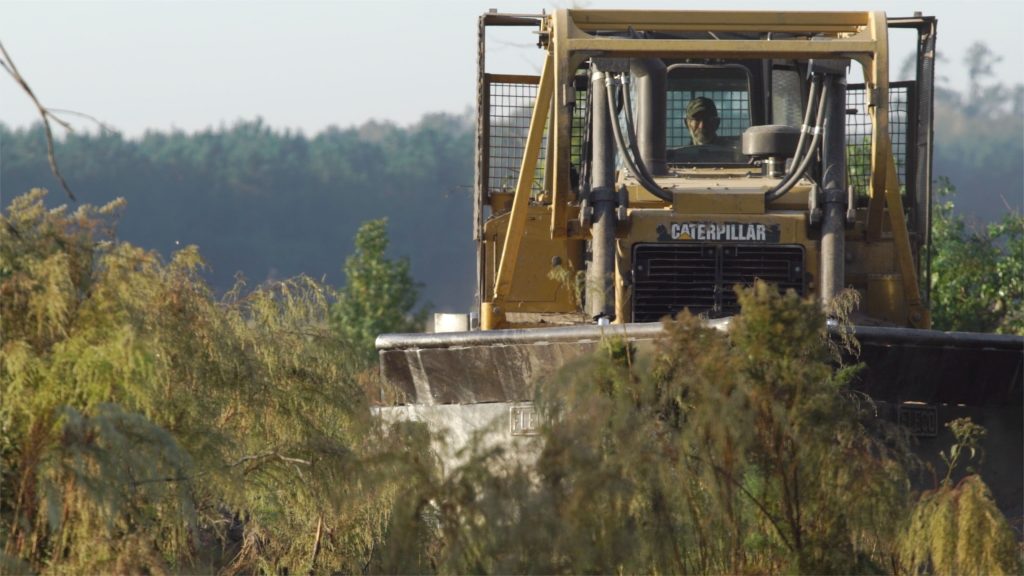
{"type": "Point", "coordinates": [858, 134]}
{"type": "Point", "coordinates": [510, 105]}
{"type": "Point", "coordinates": [786, 106]}
{"type": "Point", "coordinates": [579, 119]}
{"type": "Point", "coordinates": [510, 109]}
{"type": "Point", "coordinates": [733, 110]}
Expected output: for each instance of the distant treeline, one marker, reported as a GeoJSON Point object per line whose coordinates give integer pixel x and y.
{"type": "Point", "coordinates": [272, 203]}
{"type": "Point", "coordinates": [979, 138]}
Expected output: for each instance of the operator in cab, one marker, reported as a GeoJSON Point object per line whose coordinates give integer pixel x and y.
{"type": "Point", "coordinates": [702, 120]}
{"type": "Point", "coordinates": [708, 147]}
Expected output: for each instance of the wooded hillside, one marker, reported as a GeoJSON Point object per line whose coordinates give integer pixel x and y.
{"type": "Point", "coordinates": [274, 204]}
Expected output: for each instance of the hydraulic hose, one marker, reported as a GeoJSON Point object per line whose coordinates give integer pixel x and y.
{"type": "Point", "coordinates": [627, 104]}
{"type": "Point", "coordinates": [791, 179]}
{"type": "Point", "coordinates": [585, 150]}
{"type": "Point", "coordinates": [621, 143]}
{"type": "Point", "coordinates": [806, 127]}
{"type": "Point", "coordinates": [802, 156]}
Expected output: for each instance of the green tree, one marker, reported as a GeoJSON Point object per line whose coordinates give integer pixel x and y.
{"type": "Point", "coordinates": [147, 427]}
{"type": "Point", "coordinates": [379, 294]}
{"type": "Point", "coordinates": [977, 272]}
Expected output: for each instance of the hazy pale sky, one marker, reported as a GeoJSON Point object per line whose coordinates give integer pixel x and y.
{"type": "Point", "coordinates": [308, 65]}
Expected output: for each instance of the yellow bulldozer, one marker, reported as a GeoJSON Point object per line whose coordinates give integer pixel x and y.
{"type": "Point", "coordinates": [659, 159]}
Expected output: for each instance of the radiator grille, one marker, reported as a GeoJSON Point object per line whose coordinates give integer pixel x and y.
{"type": "Point", "coordinates": [668, 278]}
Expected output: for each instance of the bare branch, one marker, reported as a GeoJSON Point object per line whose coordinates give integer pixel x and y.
{"type": "Point", "coordinates": [44, 113]}
{"type": "Point", "coordinates": [269, 454]}
{"type": "Point", "coordinates": [249, 457]}
{"type": "Point", "coordinates": [106, 128]}
{"type": "Point", "coordinates": [294, 460]}
{"type": "Point", "coordinates": [316, 542]}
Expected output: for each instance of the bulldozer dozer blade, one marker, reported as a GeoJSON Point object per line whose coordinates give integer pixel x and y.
{"type": "Point", "coordinates": [930, 366]}
{"type": "Point", "coordinates": [489, 366]}
{"type": "Point", "coordinates": [901, 364]}
{"type": "Point", "coordinates": [467, 382]}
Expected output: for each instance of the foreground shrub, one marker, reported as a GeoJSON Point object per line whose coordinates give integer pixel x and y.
{"type": "Point", "coordinates": [148, 427]}
{"type": "Point", "coordinates": [737, 452]}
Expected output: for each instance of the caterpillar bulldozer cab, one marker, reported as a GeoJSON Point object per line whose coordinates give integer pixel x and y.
{"type": "Point", "coordinates": [659, 159]}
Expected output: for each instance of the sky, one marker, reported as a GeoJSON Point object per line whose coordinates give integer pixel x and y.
{"type": "Point", "coordinates": [145, 65]}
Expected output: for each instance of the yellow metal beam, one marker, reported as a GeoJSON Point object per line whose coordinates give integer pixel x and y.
{"type": "Point", "coordinates": [837, 34]}
{"type": "Point", "coordinates": [701, 21]}
{"type": "Point", "coordinates": [493, 313]}
{"type": "Point", "coordinates": [918, 315]}
{"type": "Point", "coordinates": [562, 124]}
{"type": "Point", "coordinates": [513, 79]}
{"type": "Point", "coordinates": [843, 48]}
{"type": "Point", "coordinates": [877, 77]}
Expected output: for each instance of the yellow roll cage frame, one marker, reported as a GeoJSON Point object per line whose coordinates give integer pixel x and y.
{"type": "Point", "coordinates": [568, 37]}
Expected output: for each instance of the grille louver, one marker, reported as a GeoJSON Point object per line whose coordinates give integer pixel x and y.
{"type": "Point", "coordinates": [670, 277]}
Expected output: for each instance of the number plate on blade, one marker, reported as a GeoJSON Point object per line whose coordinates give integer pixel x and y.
{"type": "Point", "coordinates": [920, 419]}
{"type": "Point", "coordinates": [523, 420]}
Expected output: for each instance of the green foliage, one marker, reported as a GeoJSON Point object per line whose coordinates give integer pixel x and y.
{"type": "Point", "coordinates": [726, 453]}
{"type": "Point", "coordinates": [968, 437]}
{"type": "Point", "coordinates": [958, 530]}
{"type": "Point", "coordinates": [573, 282]}
{"type": "Point", "coordinates": [730, 453]}
{"type": "Point", "coordinates": [977, 275]}
{"type": "Point", "coordinates": [150, 428]}
{"type": "Point", "coordinates": [379, 294]}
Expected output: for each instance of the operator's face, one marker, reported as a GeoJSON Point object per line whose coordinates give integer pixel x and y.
{"type": "Point", "coordinates": [703, 128]}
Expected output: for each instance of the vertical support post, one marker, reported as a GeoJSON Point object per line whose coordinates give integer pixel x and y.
{"type": "Point", "coordinates": [917, 313]}
{"type": "Point", "coordinates": [833, 185]}
{"type": "Point", "coordinates": [481, 168]}
{"type": "Point", "coordinates": [601, 272]}
{"type": "Point", "coordinates": [878, 109]}
{"type": "Point", "coordinates": [925, 139]}
{"type": "Point", "coordinates": [564, 102]}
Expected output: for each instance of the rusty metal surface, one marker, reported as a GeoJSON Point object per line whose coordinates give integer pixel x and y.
{"type": "Point", "coordinates": [476, 374]}
{"type": "Point", "coordinates": [491, 365]}
{"type": "Point", "coordinates": [902, 364]}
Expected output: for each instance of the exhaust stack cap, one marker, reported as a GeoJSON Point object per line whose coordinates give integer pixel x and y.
{"type": "Point", "coordinates": [777, 140]}
{"type": "Point", "coordinates": [773, 144]}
